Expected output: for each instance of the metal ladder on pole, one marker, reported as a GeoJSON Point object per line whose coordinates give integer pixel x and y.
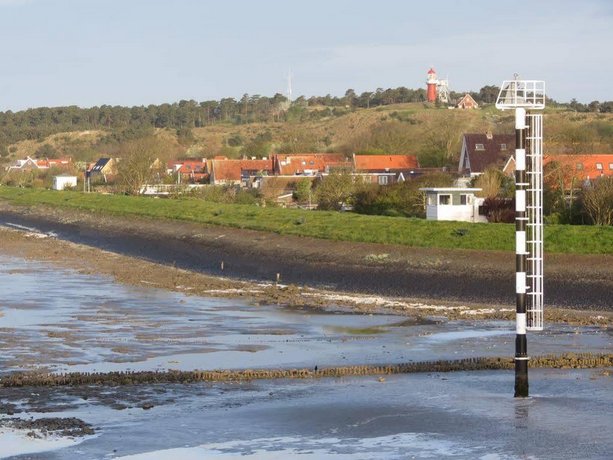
{"type": "Point", "coordinates": [534, 157]}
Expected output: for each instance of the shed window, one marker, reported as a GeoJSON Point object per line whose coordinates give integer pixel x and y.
{"type": "Point", "coordinates": [431, 200]}
{"type": "Point", "coordinates": [464, 199]}
{"type": "Point", "coordinates": [599, 166]}
{"type": "Point", "coordinates": [444, 199]}
{"type": "Point", "coordinates": [479, 147]}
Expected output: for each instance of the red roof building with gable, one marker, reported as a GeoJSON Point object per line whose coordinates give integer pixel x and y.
{"type": "Point", "coordinates": [575, 170]}
{"type": "Point", "coordinates": [308, 164]}
{"type": "Point", "coordinates": [385, 169]}
{"type": "Point", "coordinates": [237, 172]}
{"type": "Point", "coordinates": [194, 171]}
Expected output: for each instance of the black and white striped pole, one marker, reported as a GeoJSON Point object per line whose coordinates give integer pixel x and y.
{"type": "Point", "coordinates": [521, 95]}
{"type": "Point", "coordinates": [521, 254]}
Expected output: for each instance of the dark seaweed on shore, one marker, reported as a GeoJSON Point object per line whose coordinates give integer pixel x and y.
{"type": "Point", "coordinates": [566, 361]}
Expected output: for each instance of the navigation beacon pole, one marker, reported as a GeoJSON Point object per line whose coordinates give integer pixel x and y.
{"type": "Point", "coordinates": [520, 95]}
{"type": "Point", "coordinates": [521, 220]}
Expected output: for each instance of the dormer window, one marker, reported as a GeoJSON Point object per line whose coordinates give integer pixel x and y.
{"type": "Point", "coordinates": [479, 147]}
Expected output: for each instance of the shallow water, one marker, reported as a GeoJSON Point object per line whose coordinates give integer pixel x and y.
{"type": "Point", "coordinates": [64, 321]}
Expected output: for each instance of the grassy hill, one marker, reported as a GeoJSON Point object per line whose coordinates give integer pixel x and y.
{"type": "Point", "coordinates": [434, 134]}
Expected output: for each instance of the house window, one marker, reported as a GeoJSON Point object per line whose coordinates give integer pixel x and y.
{"type": "Point", "coordinates": [503, 146]}
{"type": "Point", "coordinates": [479, 147]}
{"type": "Point", "coordinates": [463, 199]}
{"type": "Point", "coordinates": [611, 166]}
{"type": "Point", "coordinates": [599, 166]}
{"type": "Point", "coordinates": [444, 199]}
{"type": "Point", "coordinates": [382, 180]}
{"type": "Point", "coordinates": [579, 166]}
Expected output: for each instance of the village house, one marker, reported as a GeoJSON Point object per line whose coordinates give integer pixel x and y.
{"type": "Point", "coordinates": [309, 164]}
{"type": "Point", "coordinates": [193, 171]}
{"type": "Point", "coordinates": [385, 169]}
{"type": "Point", "coordinates": [467, 102]}
{"type": "Point", "coordinates": [104, 168]}
{"type": "Point", "coordinates": [239, 172]}
{"type": "Point", "coordinates": [29, 164]}
{"type": "Point", "coordinates": [576, 170]}
{"type": "Point", "coordinates": [482, 151]}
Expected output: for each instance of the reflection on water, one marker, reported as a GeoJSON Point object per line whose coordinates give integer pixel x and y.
{"type": "Point", "coordinates": [66, 321]}
{"type": "Point", "coordinates": [62, 320]}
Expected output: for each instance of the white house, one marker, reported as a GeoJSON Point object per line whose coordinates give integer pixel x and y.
{"type": "Point", "coordinates": [64, 181]}
{"type": "Point", "coordinates": [453, 203]}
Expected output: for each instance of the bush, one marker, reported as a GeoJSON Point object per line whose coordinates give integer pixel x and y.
{"type": "Point", "coordinates": [499, 209]}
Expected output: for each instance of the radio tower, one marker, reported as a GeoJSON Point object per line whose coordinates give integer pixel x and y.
{"type": "Point", "coordinates": [289, 86]}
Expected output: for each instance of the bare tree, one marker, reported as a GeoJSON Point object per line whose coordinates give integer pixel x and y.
{"type": "Point", "coordinates": [598, 201]}
{"type": "Point", "coordinates": [490, 183]}
{"type": "Point", "coordinates": [142, 162]}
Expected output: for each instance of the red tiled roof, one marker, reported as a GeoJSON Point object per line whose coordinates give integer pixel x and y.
{"type": "Point", "coordinates": [385, 162]}
{"type": "Point", "coordinates": [583, 166]}
{"type": "Point", "coordinates": [231, 170]}
{"type": "Point", "coordinates": [293, 164]}
{"type": "Point", "coordinates": [53, 162]}
{"type": "Point", "coordinates": [193, 167]}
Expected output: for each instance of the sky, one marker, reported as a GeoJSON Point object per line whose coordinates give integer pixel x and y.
{"type": "Point", "coordinates": [141, 52]}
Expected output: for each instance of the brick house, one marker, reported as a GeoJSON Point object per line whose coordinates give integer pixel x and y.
{"type": "Point", "coordinates": [385, 169]}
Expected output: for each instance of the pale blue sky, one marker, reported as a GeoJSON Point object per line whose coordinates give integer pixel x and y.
{"type": "Point", "coordinates": [139, 52]}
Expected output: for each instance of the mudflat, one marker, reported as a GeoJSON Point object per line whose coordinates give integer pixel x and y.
{"type": "Point", "coordinates": [267, 267]}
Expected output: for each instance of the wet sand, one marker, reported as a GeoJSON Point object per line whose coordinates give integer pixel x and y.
{"type": "Point", "coordinates": [431, 414]}
{"type": "Point", "coordinates": [213, 261]}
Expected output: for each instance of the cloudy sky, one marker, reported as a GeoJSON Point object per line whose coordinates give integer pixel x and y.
{"type": "Point", "coordinates": [139, 52]}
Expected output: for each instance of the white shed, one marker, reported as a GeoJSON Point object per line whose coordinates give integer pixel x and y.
{"type": "Point", "coordinates": [453, 203]}
{"type": "Point", "coordinates": [64, 181]}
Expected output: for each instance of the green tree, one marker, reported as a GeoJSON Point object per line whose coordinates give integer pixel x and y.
{"type": "Point", "coordinates": [335, 190]}
{"type": "Point", "coordinates": [303, 191]}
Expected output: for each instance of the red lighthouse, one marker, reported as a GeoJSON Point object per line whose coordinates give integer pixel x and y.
{"type": "Point", "coordinates": [431, 81]}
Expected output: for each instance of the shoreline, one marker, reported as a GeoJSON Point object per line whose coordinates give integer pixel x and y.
{"type": "Point", "coordinates": [138, 272]}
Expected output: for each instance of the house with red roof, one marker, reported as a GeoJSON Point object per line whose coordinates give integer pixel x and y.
{"type": "Point", "coordinates": [29, 164]}
{"type": "Point", "coordinates": [467, 102]}
{"type": "Point", "coordinates": [576, 170]}
{"type": "Point", "coordinates": [192, 171]}
{"type": "Point", "coordinates": [308, 164]}
{"type": "Point", "coordinates": [238, 172]}
{"type": "Point", "coordinates": [385, 169]}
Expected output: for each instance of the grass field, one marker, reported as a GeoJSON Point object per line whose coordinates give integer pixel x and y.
{"type": "Point", "coordinates": [320, 224]}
